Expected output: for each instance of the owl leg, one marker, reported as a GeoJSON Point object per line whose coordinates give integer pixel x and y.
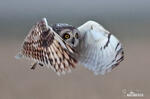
{"type": "Point", "coordinates": [33, 65]}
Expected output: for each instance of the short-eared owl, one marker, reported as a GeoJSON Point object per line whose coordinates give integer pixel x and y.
{"type": "Point", "coordinates": [62, 46]}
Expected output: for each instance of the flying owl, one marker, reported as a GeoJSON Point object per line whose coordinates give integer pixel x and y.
{"type": "Point", "coordinates": [62, 47]}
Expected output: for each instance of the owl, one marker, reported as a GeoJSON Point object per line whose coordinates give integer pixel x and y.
{"type": "Point", "coordinates": [63, 47]}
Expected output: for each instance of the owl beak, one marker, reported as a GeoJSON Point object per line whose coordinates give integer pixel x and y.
{"type": "Point", "coordinates": [73, 41]}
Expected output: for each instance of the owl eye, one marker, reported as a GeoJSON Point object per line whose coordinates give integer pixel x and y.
{"type": "Point", "coordinates": [66, 36]}
{"type": "Point", "coordinates": [77, 36]}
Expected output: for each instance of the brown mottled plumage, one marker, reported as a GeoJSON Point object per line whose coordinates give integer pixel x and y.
{"type": "Point", "coordinates": [43, 46]}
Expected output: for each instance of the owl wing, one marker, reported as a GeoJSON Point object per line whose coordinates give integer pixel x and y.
{"type": "Point", "coordinates": [100, 51]}
{"type": "Point", "coordinates": [45, 46]}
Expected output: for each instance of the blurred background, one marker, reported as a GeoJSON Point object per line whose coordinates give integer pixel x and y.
{"type": "Point", "coordinates": [129, 20]}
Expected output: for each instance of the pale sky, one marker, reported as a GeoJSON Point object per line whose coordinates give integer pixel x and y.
{"type": "Point", "coordinates": [17, 8]}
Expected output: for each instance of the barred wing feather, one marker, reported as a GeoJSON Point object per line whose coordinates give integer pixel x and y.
{"type": "Point", "coordinates": [46, 47]}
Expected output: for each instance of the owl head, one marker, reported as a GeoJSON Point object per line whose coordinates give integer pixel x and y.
{"type": "Point", "coordinates": [67, 32]}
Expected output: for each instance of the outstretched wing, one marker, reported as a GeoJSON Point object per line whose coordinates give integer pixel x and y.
{"type": "Point", "coordinates": [45, 46]}
{"type": "Point", "coordinates": [100, 51]}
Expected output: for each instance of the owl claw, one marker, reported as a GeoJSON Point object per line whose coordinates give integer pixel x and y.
{"type": "Point", "coordinates": [33, 65]}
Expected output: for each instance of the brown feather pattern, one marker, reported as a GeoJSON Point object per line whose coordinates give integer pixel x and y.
{"type": "Point", "coordinates": [42, 46]}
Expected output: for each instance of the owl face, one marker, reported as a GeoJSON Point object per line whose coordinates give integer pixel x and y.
{"type": "Point", "coordinates": [68, 33]}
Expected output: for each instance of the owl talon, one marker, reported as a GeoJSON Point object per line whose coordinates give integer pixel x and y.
{"type": "Point", "coordinates": [33, 65]}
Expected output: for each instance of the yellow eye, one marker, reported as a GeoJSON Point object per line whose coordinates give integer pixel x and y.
{"type": "Point", "coordinates": [67, 36]}
{"type": "Point", "coordinates": [77, 36]}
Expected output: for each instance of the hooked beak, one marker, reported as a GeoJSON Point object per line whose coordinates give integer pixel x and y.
{"type": "Point", "coordinates": [73, 41]}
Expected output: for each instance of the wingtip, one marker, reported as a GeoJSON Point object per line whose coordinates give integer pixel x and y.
{"type": "Point", "coordinates": [92, 21]}
{"type": "Point", "coordinates": [44, 20]}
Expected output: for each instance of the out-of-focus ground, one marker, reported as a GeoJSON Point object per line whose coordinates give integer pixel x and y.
{"type": "Point", "coordinates": [17, 81]}
{"type": "Point", "coordinates": [129, 20]}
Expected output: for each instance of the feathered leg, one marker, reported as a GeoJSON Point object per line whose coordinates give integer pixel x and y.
{"type": "Point", "coordinates": [33, 65]}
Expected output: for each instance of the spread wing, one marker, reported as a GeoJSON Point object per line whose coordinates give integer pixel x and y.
{"type": "Point", "coordinates": [100, 51]}
{"type": "Point", "coordinates": [46, 47]}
